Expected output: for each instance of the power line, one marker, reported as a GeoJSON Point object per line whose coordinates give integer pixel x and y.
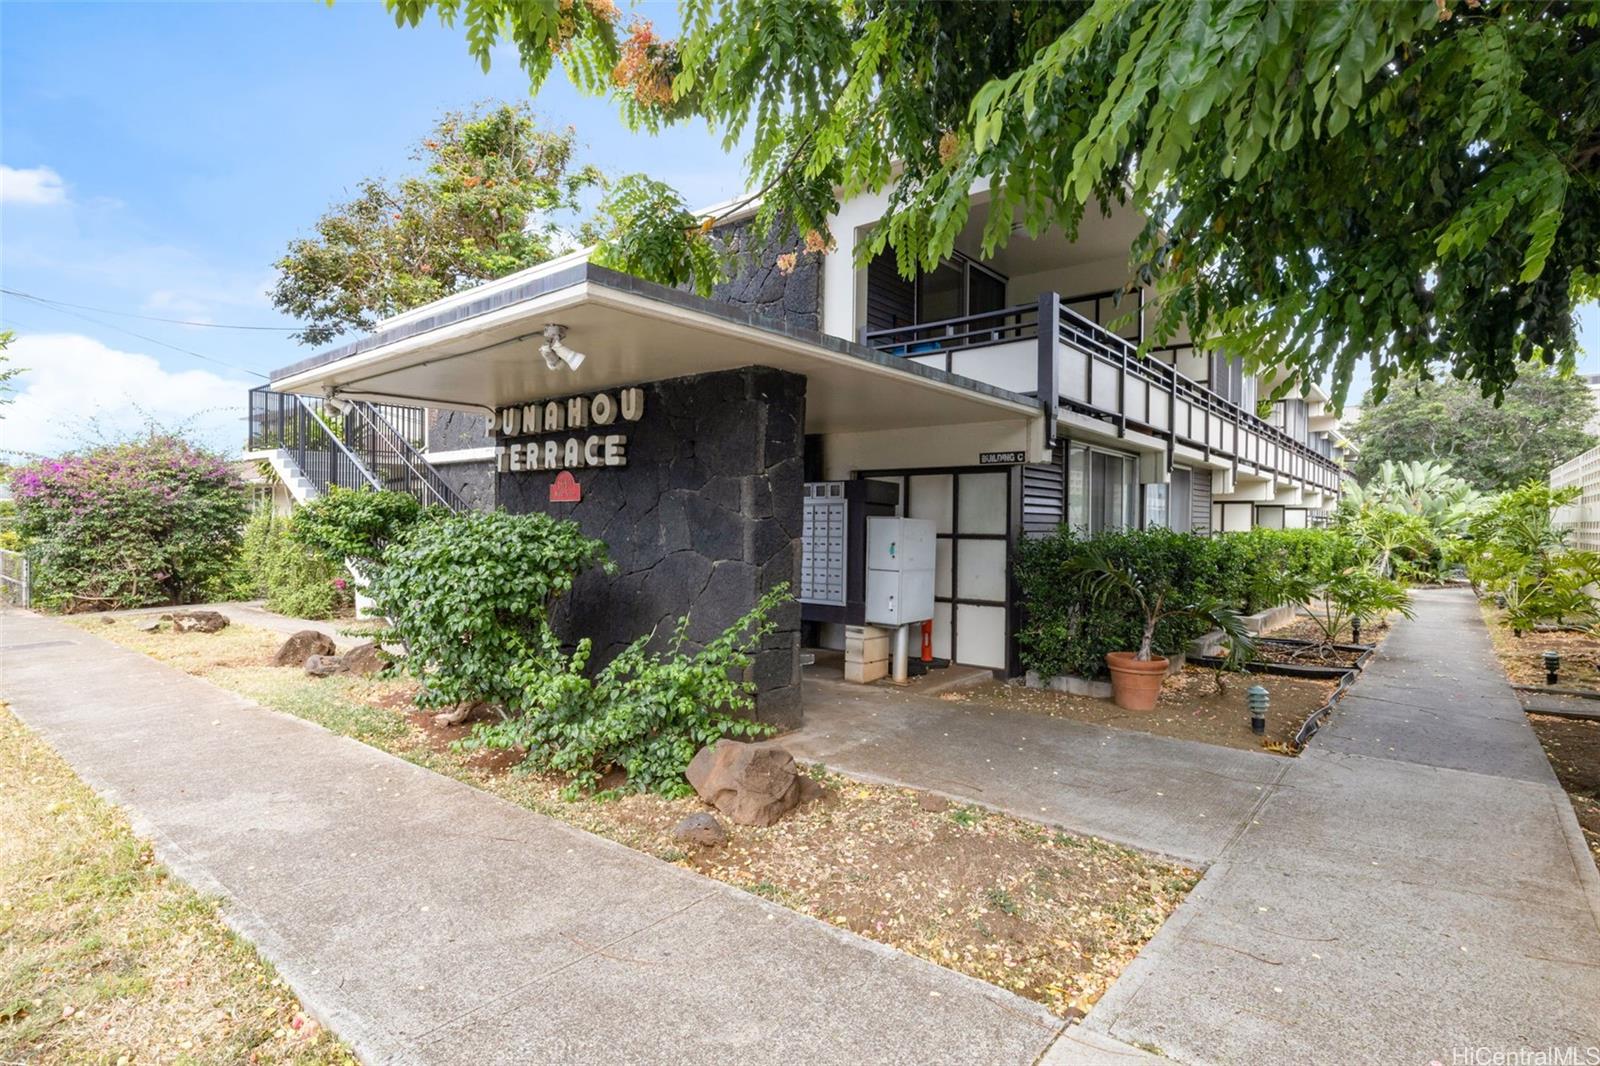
{"type": "Point", "coordinates": [147, 318]}
{"type": "Point", "coordinates": [153, 340]}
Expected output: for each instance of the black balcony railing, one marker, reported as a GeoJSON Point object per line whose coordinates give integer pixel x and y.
{"type": "Point", "coordinates": [354, 444]}
{"type": "Point", "coordinates": [396, 462]}
{"type": "Point", "coordinates": [1101, 346]}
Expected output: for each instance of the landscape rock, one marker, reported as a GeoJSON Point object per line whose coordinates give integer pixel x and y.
{"type": "Point", "coordinates": [152, 626]}
{"type": "Point", "coordinates": [324, 665]}
{"type": "Point", "coordinates": [751, 785]}
{"type": "Point", "coordinates": [107, 620]}
{"type": "Point", "coordinates": [702, 829]}
{"type": "Point", "coordinates": [198, 621]}
{"type": "Point", "coordinates": [302, 645]}
{"type": "Point", "coordinates": [933, 804]}
{"type": "Point", "coordinates": [364, 659]}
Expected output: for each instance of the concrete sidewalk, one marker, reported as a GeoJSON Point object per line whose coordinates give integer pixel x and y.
{"type": "Point", "coordinates": [1416, 884]}
{"type": "Point", "coordinates": [1170, 797]}
{"type": "Point", "coordinates": [428, 922]}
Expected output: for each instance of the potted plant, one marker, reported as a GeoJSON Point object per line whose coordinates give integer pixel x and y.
{"type": "Point", "coordinates": [1136, 675]}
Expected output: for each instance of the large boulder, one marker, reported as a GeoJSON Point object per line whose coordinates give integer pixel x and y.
{"type": "Point", "coordinates": [324, 665]}
{"type": "Point", "coordinates": [198, 621]}
{"type": "Point", "coordinates": [752, 785]}
{"type": "Point", "coordinates": [302, 645]}
{"type": "Point", "coordinates": [364, 659]}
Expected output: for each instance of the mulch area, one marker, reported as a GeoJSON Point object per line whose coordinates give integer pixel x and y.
{"type": "Point", "coordinates": [1196, 704]}
{"type": "Point", "coordinates": [1523, 657]}
{"type": "Point", "coordinates": [1574, 751]}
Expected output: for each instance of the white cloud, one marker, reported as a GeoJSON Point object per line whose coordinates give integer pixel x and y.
{"type": "Point", "coordinates": [76, 391]}
{"type": "Point", "coordinates": [36, 186]}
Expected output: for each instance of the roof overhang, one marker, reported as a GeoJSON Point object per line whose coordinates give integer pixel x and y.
{"type": "Point", "coordinates": [479, 351]}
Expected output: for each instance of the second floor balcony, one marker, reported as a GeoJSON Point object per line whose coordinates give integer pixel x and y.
{"type": "Point", "coordinates": [1052, 349]}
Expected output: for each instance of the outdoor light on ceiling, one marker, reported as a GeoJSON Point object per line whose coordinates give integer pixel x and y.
{"type": "Point", "coordinates": [555, 353]}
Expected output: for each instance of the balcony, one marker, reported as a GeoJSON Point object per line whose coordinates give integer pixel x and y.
{"type": "Point", "coordinates": [1047, 349]}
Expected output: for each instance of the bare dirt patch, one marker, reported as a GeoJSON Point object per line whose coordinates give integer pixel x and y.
{"type": "Point", "coordinates": [1573, 749]}
{"type": "Point", "coordinates": [1373, 630]}
{"type": "Point", "coordinates": [1523, 657]}
{"type": "Point", "coordinates": [1191, 707]}
{"type": "Point", "coordinates": [1051, 916]}
{"type": "Point", "coordinates": [106, 958]}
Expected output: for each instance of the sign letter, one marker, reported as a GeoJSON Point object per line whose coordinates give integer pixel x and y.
{"type": "Point", "coordinates": [633, 404]}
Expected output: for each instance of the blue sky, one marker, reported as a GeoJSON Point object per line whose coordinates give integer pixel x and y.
{"type": "Point", "coordinates": [160, 157]}
{"type": "Point", "coordinates": [191, 143]}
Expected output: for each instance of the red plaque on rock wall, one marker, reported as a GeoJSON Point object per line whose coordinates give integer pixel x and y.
{"type": "Point", "coordinates": [565, 488]}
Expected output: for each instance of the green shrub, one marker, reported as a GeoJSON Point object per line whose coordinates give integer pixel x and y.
{"type": "Point", "coordinates": [151, 521]}
{"type": "Point", "coordinates": [1065, 631]}
{"type": "Point", "coordinates": [355, 523]}
{"type": "Point", "coordinates": [646, 713]}
{"type": "Point", "coordinates": [470, 597]}
{"type": "Point", "coordinates": [1335, 599]}
{"type": "Point", "coordinates": [292, 579]}
{"type": "Point", "coordinates": [1069, 631]}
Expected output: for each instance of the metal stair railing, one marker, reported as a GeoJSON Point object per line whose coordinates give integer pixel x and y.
{"type": "Point", "coordinates": [390, 454]}
{"type": "Point", "coordinates": [301, 426]}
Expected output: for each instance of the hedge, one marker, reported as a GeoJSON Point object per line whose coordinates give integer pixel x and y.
{"type": "Point", "coordinates": [1063, 633]}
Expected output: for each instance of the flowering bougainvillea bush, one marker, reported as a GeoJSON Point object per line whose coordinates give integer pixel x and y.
{"type": "Point", "coordinates": [151, 521]}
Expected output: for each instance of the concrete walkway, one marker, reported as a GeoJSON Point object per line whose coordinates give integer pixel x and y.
{"type": "Point", "coordinates": [425, 921]}
{"type": "Point", "coordinates": [1416, 884]}
{"type": "Point", "coordinates": [1171, 797]}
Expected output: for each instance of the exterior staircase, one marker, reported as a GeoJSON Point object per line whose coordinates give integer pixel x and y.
{"type": "Point", "coordinates": [313, 445]}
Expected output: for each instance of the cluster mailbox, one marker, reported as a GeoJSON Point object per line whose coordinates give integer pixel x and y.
{"type": "Point", "coordinates": [900, 558]}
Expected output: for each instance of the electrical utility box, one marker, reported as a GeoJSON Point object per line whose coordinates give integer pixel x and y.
{"type": "Point", "coordinates": [900, 555]}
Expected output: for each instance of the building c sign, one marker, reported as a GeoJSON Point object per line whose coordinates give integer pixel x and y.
{"type": "Point", "coordinates": [569, 434]}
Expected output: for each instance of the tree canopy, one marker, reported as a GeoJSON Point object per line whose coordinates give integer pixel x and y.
{"type": "Point", "coordinates": [494, 193]}
{"type": "Point", "coordinates": [1413, 184]}
{"type": "Point", "coordinates": [1542, 421]}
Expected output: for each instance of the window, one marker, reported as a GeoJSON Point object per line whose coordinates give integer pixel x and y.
{"type": "Point", "coordinates": [1102, 490]}
{"type": "Point", "coordinates": [1171, 506]}
{"type": "Point", "coordinates": [956, 288]}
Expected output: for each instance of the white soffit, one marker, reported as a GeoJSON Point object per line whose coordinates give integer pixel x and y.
{"type": "Point", "coordinates": [492, 360]}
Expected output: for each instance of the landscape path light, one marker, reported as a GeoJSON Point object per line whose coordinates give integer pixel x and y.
{"type": "Point", "coordinates": [1259, 701]}
{"type": "Point", "coordinates": [1552, 667]}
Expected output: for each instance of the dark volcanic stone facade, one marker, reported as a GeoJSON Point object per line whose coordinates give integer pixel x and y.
{"type": "Point", "coordinates": [756, 284]}
{"type": "Point", "coordinates": [703, 519]}
{"type": "Point", "coordinates": [450, 431]}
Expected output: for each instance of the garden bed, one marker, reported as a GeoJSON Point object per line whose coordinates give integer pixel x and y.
{"type": "Point", "coordinates": [1523, 657]}
{"type": "Point", "coordinates": [1573, 749]}
{"type": "Point", "coordinates": [1191, 707]}
{"type": "Point", "coordinates": [1050, 916]}
{"type": "Point", "coordinates": [1289, 657]}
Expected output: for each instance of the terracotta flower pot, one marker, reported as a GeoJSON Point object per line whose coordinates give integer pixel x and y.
{"type": "Point", "coordinates": [1135, 685]}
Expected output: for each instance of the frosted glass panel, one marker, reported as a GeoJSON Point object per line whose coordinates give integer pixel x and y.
{"type": "Point", "coordinates": [983, 503]}
{"type": "Point", "coordinates": [982, 633]}
{"type": "Point", "coordinates": [930, 498]}
{"type": "Point", "coordinates": [941, 568]}
{"type": "Point", "coordinates": [982, 573]}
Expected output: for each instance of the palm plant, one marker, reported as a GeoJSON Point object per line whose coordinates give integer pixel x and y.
{"type": "Point", "coordinates": [1333, 601]}
{"type": "Point", "coordinates": [1157, 599]}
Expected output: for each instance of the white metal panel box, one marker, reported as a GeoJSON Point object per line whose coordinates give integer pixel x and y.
{"type": "Point", "coordinates": [899, 597]}
{"type": "Point", "coordinates": [900, 563]}
{"type": "Point", "coordinates": [900, 544]}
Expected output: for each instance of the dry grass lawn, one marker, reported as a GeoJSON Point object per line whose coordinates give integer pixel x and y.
{"type": "Point", "coordinates": [1050, 916]}
{"type": "Point", "coordinates": [106, 958]}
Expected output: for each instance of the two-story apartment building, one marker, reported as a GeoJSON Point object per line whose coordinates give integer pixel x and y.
{"type": "Point", "coordinates": [722, 446]}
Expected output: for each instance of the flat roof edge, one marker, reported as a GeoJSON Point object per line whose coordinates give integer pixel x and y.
{"type": "Point", "coordinates": [616, 281]}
